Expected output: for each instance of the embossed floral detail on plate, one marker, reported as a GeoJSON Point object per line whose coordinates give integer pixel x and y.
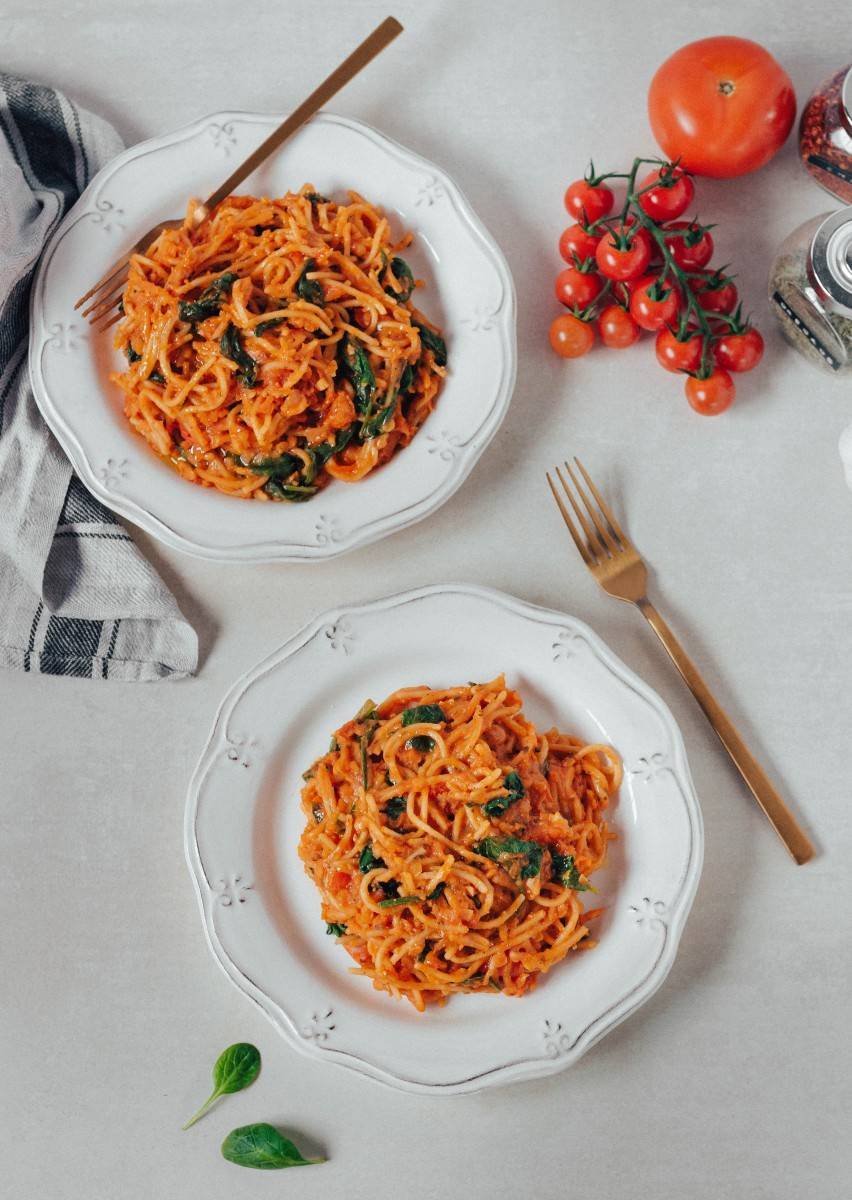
{"type": "Point", "coordinates": [566, 645]}
{"type": "Point", "coordinates": [233, 890]}
{"type": "Point", "coordinates": [320, 1025]}
{"type": "Point", "coordinates": [556, 1040]}
{"type": "Point", "coordinates": [651, 914]}
{"type": "Point", "coordinates": [649, 766]}
{"type": "Point", "coordinates": [429, 192]}
{"type": "Point", "coordinates": [445, 444]}
{"type": "Point", "coordinates": [483, 318]}
{"type": "Point", "coordinates": [223, 137]}
{"type": "Point", "coordinates": [108, 216]}
{"type": "Point", "coordinates": [340, 635]}
{"type": "Point", "coordinates": [63, 337]}
{"type": "Point", "coordinates": [241, 747]}
{"type": "Point", "coordinates": [327, 530]}
{"type": "Point", "coordinates": [113, 471]}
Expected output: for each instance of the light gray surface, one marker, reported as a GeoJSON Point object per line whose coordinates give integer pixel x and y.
{"type": "Point", "coordinates": [734, 1079]}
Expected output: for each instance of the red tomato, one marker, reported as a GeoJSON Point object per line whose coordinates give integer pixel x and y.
{"type": "Point", "coordinates": [718, 297]}
{"type": "Point", "coordinates": [692, 250]}
{"type": "Point", "coordinates": [570, 337]}
{"type": "Point", "coordinates": [672, 197]}
{"type": "Point", "coordinates": [623, 253]}
{"type": "Point", "coordinates": [675, 355]}
{"type": "Point", "coordinates": [339, 880]}
{"type": "Point", "coordinates": [586, 203]}
{"type": "Point", "coordinates": [617, 328]}
{"type": "Point", "coordinates": [739, 351]}
{"type": "Point", "coordinates": [577, 289]}
{"type": "Point", "coordinates": [652, 304]}
{"type": "Point", "coordinates": [575, 241]}
{"type": "Point", "coordinates": [722, 106]}
{"type": "Point", "coordinates": [712, 395]}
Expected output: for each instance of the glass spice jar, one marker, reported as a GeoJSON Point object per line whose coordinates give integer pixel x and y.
{"type": "Point", "coordinates": [810, 287]}
{"type": "Point", "coordinates": [825, 135]}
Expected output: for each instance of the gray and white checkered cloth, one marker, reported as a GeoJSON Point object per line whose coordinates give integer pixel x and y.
{"type": "Point", "coordinates": [76, 596]}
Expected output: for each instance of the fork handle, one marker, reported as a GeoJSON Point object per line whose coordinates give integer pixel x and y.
{"type": "Point", "coordinates": [381, 37]}
{"type": "Point", "coordinates": [780, 817]}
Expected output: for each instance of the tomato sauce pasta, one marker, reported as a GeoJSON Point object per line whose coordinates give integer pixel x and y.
{"type": "Point", "coordinates": [275, 346]}
{"type": "Point", "coordinates": [451, 841]}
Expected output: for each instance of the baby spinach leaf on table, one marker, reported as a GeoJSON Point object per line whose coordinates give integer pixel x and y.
{"type": "Point", "coordinates": [424, 714]}
{"type": "Point", "coordinates": [332, 927]}
{"type": "Point", "coordinates": [515, 791]}
{"type": "Point", "coordinates": [261, 1146]}
{"type": "Point", "coordinates": [402, 273]}
{"type": "Point", "coordinates": [356, 366]}
{"type": "Point", "coordinates": [234, 1069]}
{"type": "Point", "coordinates": [432, 341]}
{"type": "Point", "coordinates": [368, 861]}
{"type": "Point", "coordinates": [309, 289]}
{"type": "Point", "coordinates": [231, 345]}
{"type": "Point", "coordinates": [395, 807]}
{"type": "Point", "coordinates": [498, 849]}
{"type": "Point", "coordinates": [421, 742]}
{"type": "Point", "coordinates": [565, 870]}
{"type": "Point", "coordinates": [208, 303]}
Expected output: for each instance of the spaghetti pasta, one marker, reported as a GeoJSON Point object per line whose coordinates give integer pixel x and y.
{"type": "Point", "coordinates": [275, 346]}
{"type": "Point", "coordinates": [450, 841]}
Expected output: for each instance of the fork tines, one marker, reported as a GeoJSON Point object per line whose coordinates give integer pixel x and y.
{"type": "Point", "coordinates": [604, 537]}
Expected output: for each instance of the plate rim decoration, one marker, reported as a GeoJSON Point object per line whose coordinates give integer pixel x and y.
{"type": "Point", "coordinates": [442, 465]}
{"type": "Point", "coordinates": [557, 1048]}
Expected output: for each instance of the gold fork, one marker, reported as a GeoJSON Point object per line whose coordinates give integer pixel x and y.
{"type": "Point", "coordinates": [104, 296]}
{"type": "Point", "coordinates": [618, 567]}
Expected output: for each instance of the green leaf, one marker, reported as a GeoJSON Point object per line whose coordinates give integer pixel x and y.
{"type": "Point", "coordinates": [424, 953]}
{"type": "Point", "coordinates": [498, 849]}
{"type": "Point", "coordinates": [279, 468]}
{"type": "Point", "coordinates": [157, 376]}
{"type": "Point", "coordinates": [234, 1069]}
{"type": "Point", "coordinates": [316, 198]}
{"type": "Point", "coordinates": [208, 303]}
{"type": "Point", "coordinates": [406, 379]}
{"type": "Point", "coordinates": [395, 807]}
{"type": "Point", "coordinates": [565, 871]}
{"type": "Point", "coordinates": [437, 891]}
{"type": "Point", "coordinates": [375, 426]}
{"type": "Point", "coordinates": [356, 365]}
{"type": "Point", "coordinates": [434, 342]}
{"type": "Point", "coordinates": [402, 273]}
{"type": "Point", "coordinates": [132, 356]}
{"type": "Point", "coordinates": [421, 742]}
{"type": "Point", "coordinates": [334, 745]}
{"type": "Point", "coordinates": [261, 1146]}
{"type": "Point", "coordinates": [396, 901]}
{"type": "Point", "coordinates": [367, 711]}
{"type": "Point", "coordinates": [424, 714]}
{"type": "Point", "coordinates": [289, 491]}
{"type": "Point", "coordinates": [332, 927]}
{"type": "Point", "coordinates": [309, 289]}
{"type": "Point", "coordinates": [368, 861]}
{"type": "Point", "coordinates": [514, 791]}
{"type": "Point", "coordinates": [263, 326]}
{"type": "Point", "coordinates": [231, 345]}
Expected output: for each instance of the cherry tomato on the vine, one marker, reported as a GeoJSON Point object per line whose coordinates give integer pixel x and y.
{"type": "Point", "coordinates": [692, 250]}
{"type": "Point", "coordinates": [623, 253]}
{"type": "Point", "coordinates": [712, 395]}
{"type": "Point", "coordinates": [675, 355]}
{"type": "Point", "coordinates": [570, 337]}
{"type": "Point", "coordinates": [588, 203]}
{"type": "Point", "coordinates": [577, 242]}
{"type": "Point", "coordinates": [739, 351]}
{"type": "Point", "coordinates": [672, 197]}
{"type": "Point", "coordinates": [653, 303]}
{"type": "Point", "coordinates": [577, 289]}
{"type": "Point", "coordinates": [617, 328]}
{"type": "Point", "coordinates": [720, 297]}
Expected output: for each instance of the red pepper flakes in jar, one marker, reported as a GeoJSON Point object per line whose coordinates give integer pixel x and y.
{"type": "Point", "coordinates": [825, 135]}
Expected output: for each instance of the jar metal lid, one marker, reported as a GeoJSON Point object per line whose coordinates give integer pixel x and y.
{"type": "Point", "coordinates": [846, 100]}
{"type": "Point", "coordinates": [831, 259]}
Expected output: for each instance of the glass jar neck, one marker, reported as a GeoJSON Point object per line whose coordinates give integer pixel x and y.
{"type": "Point", "coordinates": [830, 260]}
{"type": "Point", "coordinates": [846, 102]}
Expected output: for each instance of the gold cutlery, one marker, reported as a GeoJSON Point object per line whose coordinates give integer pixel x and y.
{"type": "Point", "coordinates": [620, 570]}
{"type": "Point", "coordinates": [105, 295]}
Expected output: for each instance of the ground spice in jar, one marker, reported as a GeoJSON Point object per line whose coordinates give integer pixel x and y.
{"type": "Point", "coordinates": [810, 287]}
{"type": "Point", "coordinates": [825, 135]}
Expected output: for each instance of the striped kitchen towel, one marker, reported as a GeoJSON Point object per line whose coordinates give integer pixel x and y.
{"type": "Point", "coordinates": [76, 596]}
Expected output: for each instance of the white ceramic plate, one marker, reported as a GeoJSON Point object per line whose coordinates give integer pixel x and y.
{"type": "Point", "coordinates": [469, 293]}
{"type": "Point", "coordinates": [262, 913]}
